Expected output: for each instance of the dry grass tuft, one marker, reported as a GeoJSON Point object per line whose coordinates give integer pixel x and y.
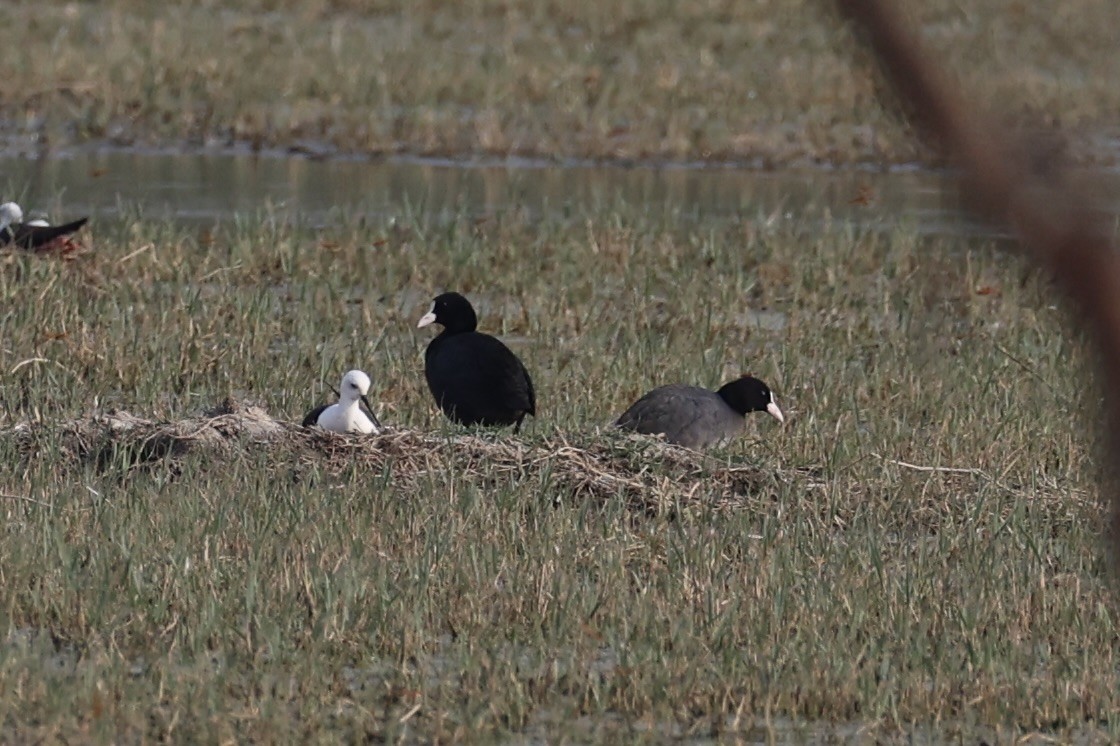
{"type": "Point", "coordinates": [654, 477]}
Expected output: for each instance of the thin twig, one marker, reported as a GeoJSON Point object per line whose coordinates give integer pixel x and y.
{"type": "Point", "coordinates": [941, 469]}
{"type": "Point", "coordinates": [28, 361]}
{"type": "Point", "coordinates": [408, 715]}
{"type": "Point", "coordinates": [137, 252]}
{"type": "Point", "coordinates": [25, 498]}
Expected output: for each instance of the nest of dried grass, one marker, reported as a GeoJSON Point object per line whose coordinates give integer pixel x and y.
{"type": "Point", "coordinates": [650, 475]}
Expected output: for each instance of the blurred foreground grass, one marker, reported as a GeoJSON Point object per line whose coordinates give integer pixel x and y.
{"type": "Point", "coordinates": [768, 82]}
{"type": "Point", "coordinates": [249, 596]}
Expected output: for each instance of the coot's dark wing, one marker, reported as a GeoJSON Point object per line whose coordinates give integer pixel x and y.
{"type": "Point", "coordinates": [662, 411]}
{"type": "Point", "coordinates": [532, 395]}
{"type": "Point", "coordinates": [312, 418]}
{"type": "Point", "coordinates": [714, 423]}
{"type": "Point", "coordinates": [477, 380]}
{"type": "Point", "coordinates": [33, 236]}
{"type": "Point", "coordinates": [522, 383]}
{"type": "Point", "coordinates": [686, 415]}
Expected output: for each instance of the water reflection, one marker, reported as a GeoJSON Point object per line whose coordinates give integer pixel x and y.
{"type": "Point", "coordinates": [208, 188]}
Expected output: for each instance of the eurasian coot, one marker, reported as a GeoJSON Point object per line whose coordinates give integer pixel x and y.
{"type": "Point", "coordinates": [475, 379]}
{"type": "Point", "coordinates": [694, 417]}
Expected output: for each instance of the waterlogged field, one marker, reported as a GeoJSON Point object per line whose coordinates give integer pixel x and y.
{"type": "Point", "coordinates": [916, 554]}
{"type": "Point", "coordinates": [918, 547]}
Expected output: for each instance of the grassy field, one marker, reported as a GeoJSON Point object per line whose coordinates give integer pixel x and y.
{"type": "Point", "coordinates": [915, 554]}
{"type": "Point", "coordinates": [764, 82]}
{"type": "Point", "coordinates": [292, 591]}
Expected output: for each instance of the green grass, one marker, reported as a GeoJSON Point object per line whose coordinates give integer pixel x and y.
{"type": "Point", "coordinates": [249, 595]}
{"type": "Point", "coordinates": [764, 82]}
{"type": "Point", "coordinates": [920, 555]}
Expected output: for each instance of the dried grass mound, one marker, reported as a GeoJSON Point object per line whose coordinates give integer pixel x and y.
{"type": "Point", "coordinates": [651, 475]}
{"type": "Point", "coordinates": [121, 437]}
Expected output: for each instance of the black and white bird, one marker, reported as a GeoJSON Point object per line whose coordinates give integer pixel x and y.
{"type": "Point", "coordinates": [346, 416]}
{"type": "Point", "coordinates": [474, 377]}
{"type": "Point", "coordinates": [34, 234]}
{"type": "Point", "coordinates": [697, 418]}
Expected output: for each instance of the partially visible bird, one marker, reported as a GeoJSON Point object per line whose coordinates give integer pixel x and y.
{"type": "Point", "coordinates": [694, 417]}
{"type": "Point", "coordinates": [475, 378]}
{"type": "Point", "coordinates": [346, 416]}
{"type": "Point", "coordinates": [35, 234]}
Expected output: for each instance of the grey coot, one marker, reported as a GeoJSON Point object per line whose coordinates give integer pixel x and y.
{"type": "Point", "coordinates": [347, 416]}
{"type": "Point", "coordinates": [35, 234]}
{"type": "Point", "coordinates": [693, 417]}
{"type": "Point", "coordinates": [475, 379]}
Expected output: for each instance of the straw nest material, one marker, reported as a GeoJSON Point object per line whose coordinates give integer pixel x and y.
{"type": "Point", "coordinates": [649, 474]}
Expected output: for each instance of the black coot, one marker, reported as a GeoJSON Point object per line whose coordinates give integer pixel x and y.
{"type": "Point", "coordinates": [693, 417]}
{"type": "Point", "coordinates": [475, 379]}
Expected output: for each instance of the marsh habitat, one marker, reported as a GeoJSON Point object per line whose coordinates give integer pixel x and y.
{"type": "Point", "coordinates": [915, 555]}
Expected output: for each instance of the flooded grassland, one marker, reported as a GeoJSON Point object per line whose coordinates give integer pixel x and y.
{"type": "Point", "coordinates": [918, 545]}
{"type": "Point", "coordinates": [914, 555]}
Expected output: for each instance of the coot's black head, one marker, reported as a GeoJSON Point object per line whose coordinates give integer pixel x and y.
{"type": "Point", "coordinates": [748, 394]}
{"type": "Point", "coordinates": [453, 311]}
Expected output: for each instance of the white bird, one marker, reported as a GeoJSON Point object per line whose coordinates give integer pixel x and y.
{"type": "Point", "coordinates": [10, 214]}
{"type": "Point", "coordinates": [347, 416]}
{"type": "Point", "coordinates": [34, 234]}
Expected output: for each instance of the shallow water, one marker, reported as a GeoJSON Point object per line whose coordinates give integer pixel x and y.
{"type": "Point", "coordinates": [206, 188]}
{"type": "Point", "coordinates": [211, 188]}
